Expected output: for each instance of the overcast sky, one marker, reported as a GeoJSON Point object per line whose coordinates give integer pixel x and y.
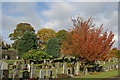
{"type": "Point", "coordinates": [57, 15]}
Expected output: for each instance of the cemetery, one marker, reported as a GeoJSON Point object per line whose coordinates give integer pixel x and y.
{"type": "Point", "coordinates": [81, 51]}
{"type": "Point", "coordinates": [46, 70]}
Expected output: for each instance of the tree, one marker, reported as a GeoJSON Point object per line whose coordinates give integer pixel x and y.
{"type": "Point", "coordinates": [52, 47]}
{"type": "Point", "coordinates": [115, 52]}
{"type": "Point", "coordinates": [27, 42]}
{"type": "Point", "coordinates": [61, 35]}
{"type": "Point", "coordinates": [45, 34]}
{"type": "Point", "coordinates": [35, 55]}
{"type": "Point", "coordinates": [19, 31]}
{"type": "Point", "coordinates": [87, 42]}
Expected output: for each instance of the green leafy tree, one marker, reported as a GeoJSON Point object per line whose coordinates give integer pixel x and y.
{"type": "Point", "coordinates": [52, 47]}
{"type": "Point", "coordinates": [27, 42]}
{"type": "Point", "coordinates": [61, 35]}
{"type": "Point", "coordinates": [19, 31]}
{"type": "Point", "coordinates": [35, 55]}
{"type": "Point", "coordinates": [45, 34]}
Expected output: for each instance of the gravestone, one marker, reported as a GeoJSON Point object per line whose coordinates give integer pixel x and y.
{"type": "Point", "coordinates": [73, 70]}
{"type": "Point", "coordinates": [4, 66]}
{"type": "Point", "coordinates": [29, 68]}
{"type": "Point", "coordinates": [77, 68]}
{"type": "Point", "coordinates": [51, 73]}
{"type": "Point", "coordinates": [5, 71]}
{"type": "Point", "coordinates": [117, 66]}
{"type": "Point", "coordinates": [5, 74]}
{"type": "Point", "coordinates": [6, 57]}
{"type": "Point", "coordinates": [85, 70]}
{"type": "Point", "coordinates": [48, 72]}
{"type": "Point", "coordinates": [32, 65]}
{"type": "Point", "coordinates": [24, 66]}
{"type": "Point", "coordinates": [15, 74]}
{"type": "Point", "coordinates": [44, 61]}
{"type": "Point", "coordinates": [1, 73]}
{"type": "Point", "coordinates": [26, 75]}
{"type": "Point", "coordinates": [42, 74]}
{"type": "Point", "coordinates": [65, 68]}
{"type": "Point", "coordinates": [33, 73]}
{"type": "Point", "coordinates": [18, 65]}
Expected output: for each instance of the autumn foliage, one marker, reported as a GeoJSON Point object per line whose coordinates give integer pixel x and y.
{"type": "Point", "coordinates": [87, 42]}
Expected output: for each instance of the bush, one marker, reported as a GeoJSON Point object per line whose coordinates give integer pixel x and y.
{"type": "Point", "coordinates": [63, 76]}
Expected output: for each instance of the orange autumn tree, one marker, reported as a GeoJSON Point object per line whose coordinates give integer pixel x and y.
{"type": "Point", "coordinates": [87, 42]}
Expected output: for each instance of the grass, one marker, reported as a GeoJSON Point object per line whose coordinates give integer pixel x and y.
{"type": "Point", "coordinates": [107, 64]}
{"type": "Point", "coordinates": [101, 75]}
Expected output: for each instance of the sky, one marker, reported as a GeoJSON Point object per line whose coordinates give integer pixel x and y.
{"type": "Point", "coordinates": [57, 15]}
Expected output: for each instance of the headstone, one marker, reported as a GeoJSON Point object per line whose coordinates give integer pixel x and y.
{"type": "Point", "coordinates": [77, 68]}
{"type": "Point", "coordinates": [17, 57]}
{"type": "Point", "coordinates": [4, 70]}
{"type": "Point", "coordinates": [117, 66]}
{"type": "Point", "coordinates": [33, 73]}
{"type": "Point", "coordinates": [73, 70]}
{"type": "Point", "coordinates": [44, 61]}
{"type": "Point", "coordinates": [32, 65]}
{"type": "Point", "coordinates": [6, 57]}
{"type": "Point", "coordinates": [1, 73]}
{"type": "Point", "coordinates": [15, 74]}
{"type": "Point", "coordinates": [51, 73]}
{"type": "Point", "coordinates": [4, 66]}
{"type": "Point", "coordinates": [24, 66]}
{"type": "Point", "coordinates": [85, 70]}
{"type": "Point", "coordinates": [48, 72]}
{"type": "Point", "coordinates": [5, 74]}
{"type": "Point", "coordinates": [29, 68]}
{"type": "Point", "coordinates": [42, 74]}
{"type": "Point", "coordinates": [65, 68]}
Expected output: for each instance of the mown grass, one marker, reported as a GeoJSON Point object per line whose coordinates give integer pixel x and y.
{"type": "Point", "coordinates": [99, 75]}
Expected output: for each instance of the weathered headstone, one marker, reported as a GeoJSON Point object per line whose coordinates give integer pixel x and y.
{"type": "Point", "coordinates": [17, 57]}
{"type": "Point", "coordinates": [48, 72]}
{"type": "Point", "coordinates": [1, 73]}
{"type": "Point", "coordinates": [65, 68]}
{"type": "Point", "coordinates": [42, 74]}
{"type": "Point", "coordinates": [5, 71]}
{"type": "Point", "coordinates": [33, 73]}
{"type": "Point", "coordinates": [15, 74]}
{"type": "Point", "coordinates": [73, 70]}
{"type": "Point", "coordinates": [6, 57]}
{"type": "Point", "coordinates": [29, 68]}
{"type": "Point", "coordinates": [44, 61]}
{"type": "Point", "coordinates": [77, 68]}
{"type": "Point", "coordinates": [32, 65]}
{"type": "Point", "coordinates": [4, 66]}
{"type": "Point", "coordinates": [24, 66]}
{"type": "Point", "coordinates": [85, 70]}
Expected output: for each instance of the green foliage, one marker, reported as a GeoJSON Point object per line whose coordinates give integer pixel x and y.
{"type": "Point", "coordinates": [52, 47]}
{"type": "Point", "coordinates": [27, 42]}
{"type": "Point", "coordinates": [45, 34]}
{"type": "Point", "coordinates": [19, 31]}
{"type": "Point", "coordinates": [61, 35]}
{"type": "Point", "coordinates": [35, 55]}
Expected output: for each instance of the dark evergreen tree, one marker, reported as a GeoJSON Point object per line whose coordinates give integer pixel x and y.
{"type": "Point", "coordinates": [27, 42]}
{"type": "Point", "coordinates": [52, 47]}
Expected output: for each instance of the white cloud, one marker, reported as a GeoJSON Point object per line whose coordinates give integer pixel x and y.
{"type": "Point", "coordinates": [58, 15]}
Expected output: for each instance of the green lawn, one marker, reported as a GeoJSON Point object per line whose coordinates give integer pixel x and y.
{"type": "Point", "coordinates": [108, 74]}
